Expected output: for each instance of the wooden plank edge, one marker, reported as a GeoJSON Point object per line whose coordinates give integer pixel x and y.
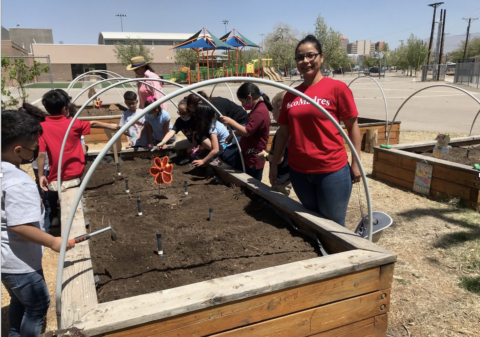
{"type": "Point", "coordinates": [296, 210]}
{"type": "Point", "coordinates": [133, 311]}
{"type": "Point", "coordinates": [433, 142]}
{"type": "Point", "coordinates": [430, 160]}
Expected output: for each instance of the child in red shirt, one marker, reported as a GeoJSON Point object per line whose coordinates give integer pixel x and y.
{"type": "Point", "coordinates": [56, 102]}
{"type": "Point", "coordinates": [254, 134]}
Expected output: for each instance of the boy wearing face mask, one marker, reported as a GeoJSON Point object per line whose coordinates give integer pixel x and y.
{"type": "Point", "coordinates": [23, 237]}
{"type": "Point", "coordinates": [56, 102]}
{"type": "Point", "coordinates": [185, 123]}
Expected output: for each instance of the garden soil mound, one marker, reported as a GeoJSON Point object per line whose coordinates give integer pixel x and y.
{"type": "Point", "coordinates": [459, 155]}
{"type": "Point", "coordinates": [245, 233]}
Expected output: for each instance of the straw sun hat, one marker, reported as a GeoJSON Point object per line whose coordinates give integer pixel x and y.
{"type": "Point", "coordinates": [137, 62]}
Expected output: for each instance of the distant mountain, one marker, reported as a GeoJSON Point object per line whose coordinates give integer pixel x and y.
{"type": "Point", "coordinates": [452, 42]}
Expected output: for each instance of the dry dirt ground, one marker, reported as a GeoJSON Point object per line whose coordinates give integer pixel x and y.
{"type": "Point", "coordinates": [438, 249]}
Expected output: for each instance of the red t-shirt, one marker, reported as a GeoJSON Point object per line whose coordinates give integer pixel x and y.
{"type": "Point", "coordinates": [258, 126]}
{"type": "Point", "coordinates": [73, 161]}
{"type": "Point", "coordinates": [316, 145]}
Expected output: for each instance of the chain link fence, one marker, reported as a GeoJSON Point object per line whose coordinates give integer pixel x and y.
{"type": "Point", "coordinates": [433, 72]}
{"type": "Point", "coordinates": [468, 73]}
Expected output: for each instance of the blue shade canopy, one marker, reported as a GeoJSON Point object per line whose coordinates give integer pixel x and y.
{"type": "Point", "coordinates": [239, 41]}
{"type": "Point", "coordinates": [206, 43]}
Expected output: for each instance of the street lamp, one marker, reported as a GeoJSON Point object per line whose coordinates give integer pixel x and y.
{"type": "Point", "coordinates": [225, 22]}
{"type": "Point", "coordinates": [121, 21]}
{"type": "Point", "coordinates": [262, 35]}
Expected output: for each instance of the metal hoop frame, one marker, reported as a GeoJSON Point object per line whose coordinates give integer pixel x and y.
{"type": "Point", "coordinates": [231, 93]}
{"type": "Point", "coordinates": [59, 179]}
{"type": "Point", "coordinates": [433, 86]}
{"type": "Point", "coordinates": [383, 94]}
{"type": "Point", "coordinates": [83, 185]}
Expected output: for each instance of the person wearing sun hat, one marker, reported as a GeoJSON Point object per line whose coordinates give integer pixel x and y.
{"type": "Point", "coordinates": [143, 70]}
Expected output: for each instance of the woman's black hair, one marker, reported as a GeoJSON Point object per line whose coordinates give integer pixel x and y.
{"type": "Point", "coordinates": [205, 118]}
{"type": "Point", "coordinates": [250, 89]}
{"type": "Point", "coordinates": [147, 67]}
{"type": "Point", "coordinates": [18, 127]}
{"type": "Point", "coordinates": [147, 103]}
{"type": "Point", "coordinates": [310, 39]}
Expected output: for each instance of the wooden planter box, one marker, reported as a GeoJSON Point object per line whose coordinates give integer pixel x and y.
{"type": "Point", "coordinates": [449, 180]}
{"type": "Point", "coordinates": [98, 135]}
{"type": "Point", "coordinates": [344, 294]}
{"type": "Point", "coordinates": [364, 125]}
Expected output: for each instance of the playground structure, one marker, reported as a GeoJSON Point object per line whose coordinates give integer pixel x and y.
{"type": "Point", "coordinates": [233, 46]}
{"type": "Point", "coordinates": [343, 293]}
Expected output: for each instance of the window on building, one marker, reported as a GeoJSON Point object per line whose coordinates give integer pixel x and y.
{"type": "Point", "coordinates": [79, 69]}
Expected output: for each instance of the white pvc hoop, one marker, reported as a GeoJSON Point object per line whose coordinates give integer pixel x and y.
{"type": "Point", "coordinates": [83, 185]}
{"type": "Point", "coordinates": [231, 93]}
{"type": "Point", "coordinates": [383, 94]}
{"type": "Point", "coordinates": [432, 86]}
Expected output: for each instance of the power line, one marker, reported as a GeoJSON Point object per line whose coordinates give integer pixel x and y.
{"type": "Point", "coordinates": [398, 31]}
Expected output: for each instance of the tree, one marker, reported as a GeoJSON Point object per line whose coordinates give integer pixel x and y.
{"type": "Point", "coordinates": [186, 57]}
{"type": "Point", "coordinates": [416, 52]}
{"type": "Point", "coordinates": [473, 50]}
{"type": "Point", "coordinates": [19, 75]}
{"type": "Point", "coordinates": [335, 56]}
{"type": "Point", "coordinates": [370, 62]}
{"type": "Point", "coordinates": [280, 45]}
{"type": "Point", "coordinates": [124, 52]}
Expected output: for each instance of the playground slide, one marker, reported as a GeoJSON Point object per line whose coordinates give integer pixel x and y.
{"type": "Point", "coordinates": [272, 74]}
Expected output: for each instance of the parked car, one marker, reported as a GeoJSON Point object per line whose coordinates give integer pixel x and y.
{"type": "Point", "coordinates": [374, 70]}
{"type": "Point", "coordinates": [294, 72]}
{"type": "Point", "coordinates": [326, 72]}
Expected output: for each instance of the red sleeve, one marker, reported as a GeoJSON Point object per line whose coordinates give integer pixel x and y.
{"type": "Point", "coordinates": [347, 108]}
{"type": "Point", "coordinates": [254, 121]}
{"type": "Point", "coordinates": [83, 127]}
{"type": "Point", "coordinates": [42, 146]}
{"type": "Point", "coordinates": [283, 118]}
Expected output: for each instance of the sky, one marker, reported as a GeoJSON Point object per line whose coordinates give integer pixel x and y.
{"type": "Point", "coordinates": [81, 21]}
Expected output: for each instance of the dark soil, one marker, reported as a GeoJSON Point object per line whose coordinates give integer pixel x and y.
{"type": "Point", "coordinates": [245, 233]}
{"type": "Point", "coordinates": [459, 155]}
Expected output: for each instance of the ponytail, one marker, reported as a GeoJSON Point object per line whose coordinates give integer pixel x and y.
{"type": "Point", "coordinates": [250, 89]}
{"type": "Point", "coordinates": [193, 99]}
{"type": "Point", "coordinates": [33, 111]}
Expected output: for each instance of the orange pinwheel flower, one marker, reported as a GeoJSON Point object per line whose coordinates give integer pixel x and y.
{"type": "Point", "coordinates": [162, 171]}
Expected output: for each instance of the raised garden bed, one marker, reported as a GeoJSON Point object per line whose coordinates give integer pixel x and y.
{"type": "Point", "coordinates": [453, 177]}
{"type": "Point", "coordinates": [345, 293]}
{"type": "Point", "coordinates": [364, 125]}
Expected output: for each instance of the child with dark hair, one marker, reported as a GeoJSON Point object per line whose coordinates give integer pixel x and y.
{"type": "Point", "coordinates": [22, 227]}
{"type": "Point", "coordinates": [157, 125]}
{"type": "Point", "coordinates": [57, 102]}
{"type": "Point", "coordinates": [135, 136]}
{"type": "Point", "coordinates": [254, 134]}
{"type": "Point", "coordinates": [186, 123]}
{"type": "Point", "coordinates": [211, 134]}
{"type": "Point", "coordinates": [225, 106]}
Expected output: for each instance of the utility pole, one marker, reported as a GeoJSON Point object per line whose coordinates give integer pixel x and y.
{"type": "Point", "coordinates": [435, 5]}
{"type": "Point", "coordinates": [468, 32]}
{"type": "Point", "coordinates": [121, 21]}
{"type": "Point", "coordinates": [225, 22]}
{"type": "Point", "coordinates": [262, 35]}
{"type": "Point", "coordinates": [437, 48]}
{"type": "Point", "coordinates": [442, 42]}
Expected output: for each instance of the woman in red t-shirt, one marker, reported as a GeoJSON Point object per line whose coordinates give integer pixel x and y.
{"type": "Point", "coordinates": [319, 169]}
{"type": "Point", "coordinates": [254, 134]}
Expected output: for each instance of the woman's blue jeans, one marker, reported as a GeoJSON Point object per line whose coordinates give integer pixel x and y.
{"type": "Point", "coordinates": [28, 303]}
{"type": "Point", "coordinates": [327, 194]}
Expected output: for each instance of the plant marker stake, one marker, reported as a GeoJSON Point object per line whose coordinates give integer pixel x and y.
{"type": "Point", "coordinates": [126, 186]}
{"type": "Point", "coordinates": [210, 216]}
{"type": "Point", "coordinates": [159, 245]}
{"type": "Point", "coordinates": [139, 204]}
{"type": "Point", "coordinates": [118, 169]}
{"type": "Point", "coordinates": [186, 189]}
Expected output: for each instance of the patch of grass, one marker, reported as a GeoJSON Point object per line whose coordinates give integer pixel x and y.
{"type": "Point", "coordinates": [95, 143]}
{"type": "Point", "coordinates": [471, 284]}
{"type": "Point", "coordinates": [404, 282]}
